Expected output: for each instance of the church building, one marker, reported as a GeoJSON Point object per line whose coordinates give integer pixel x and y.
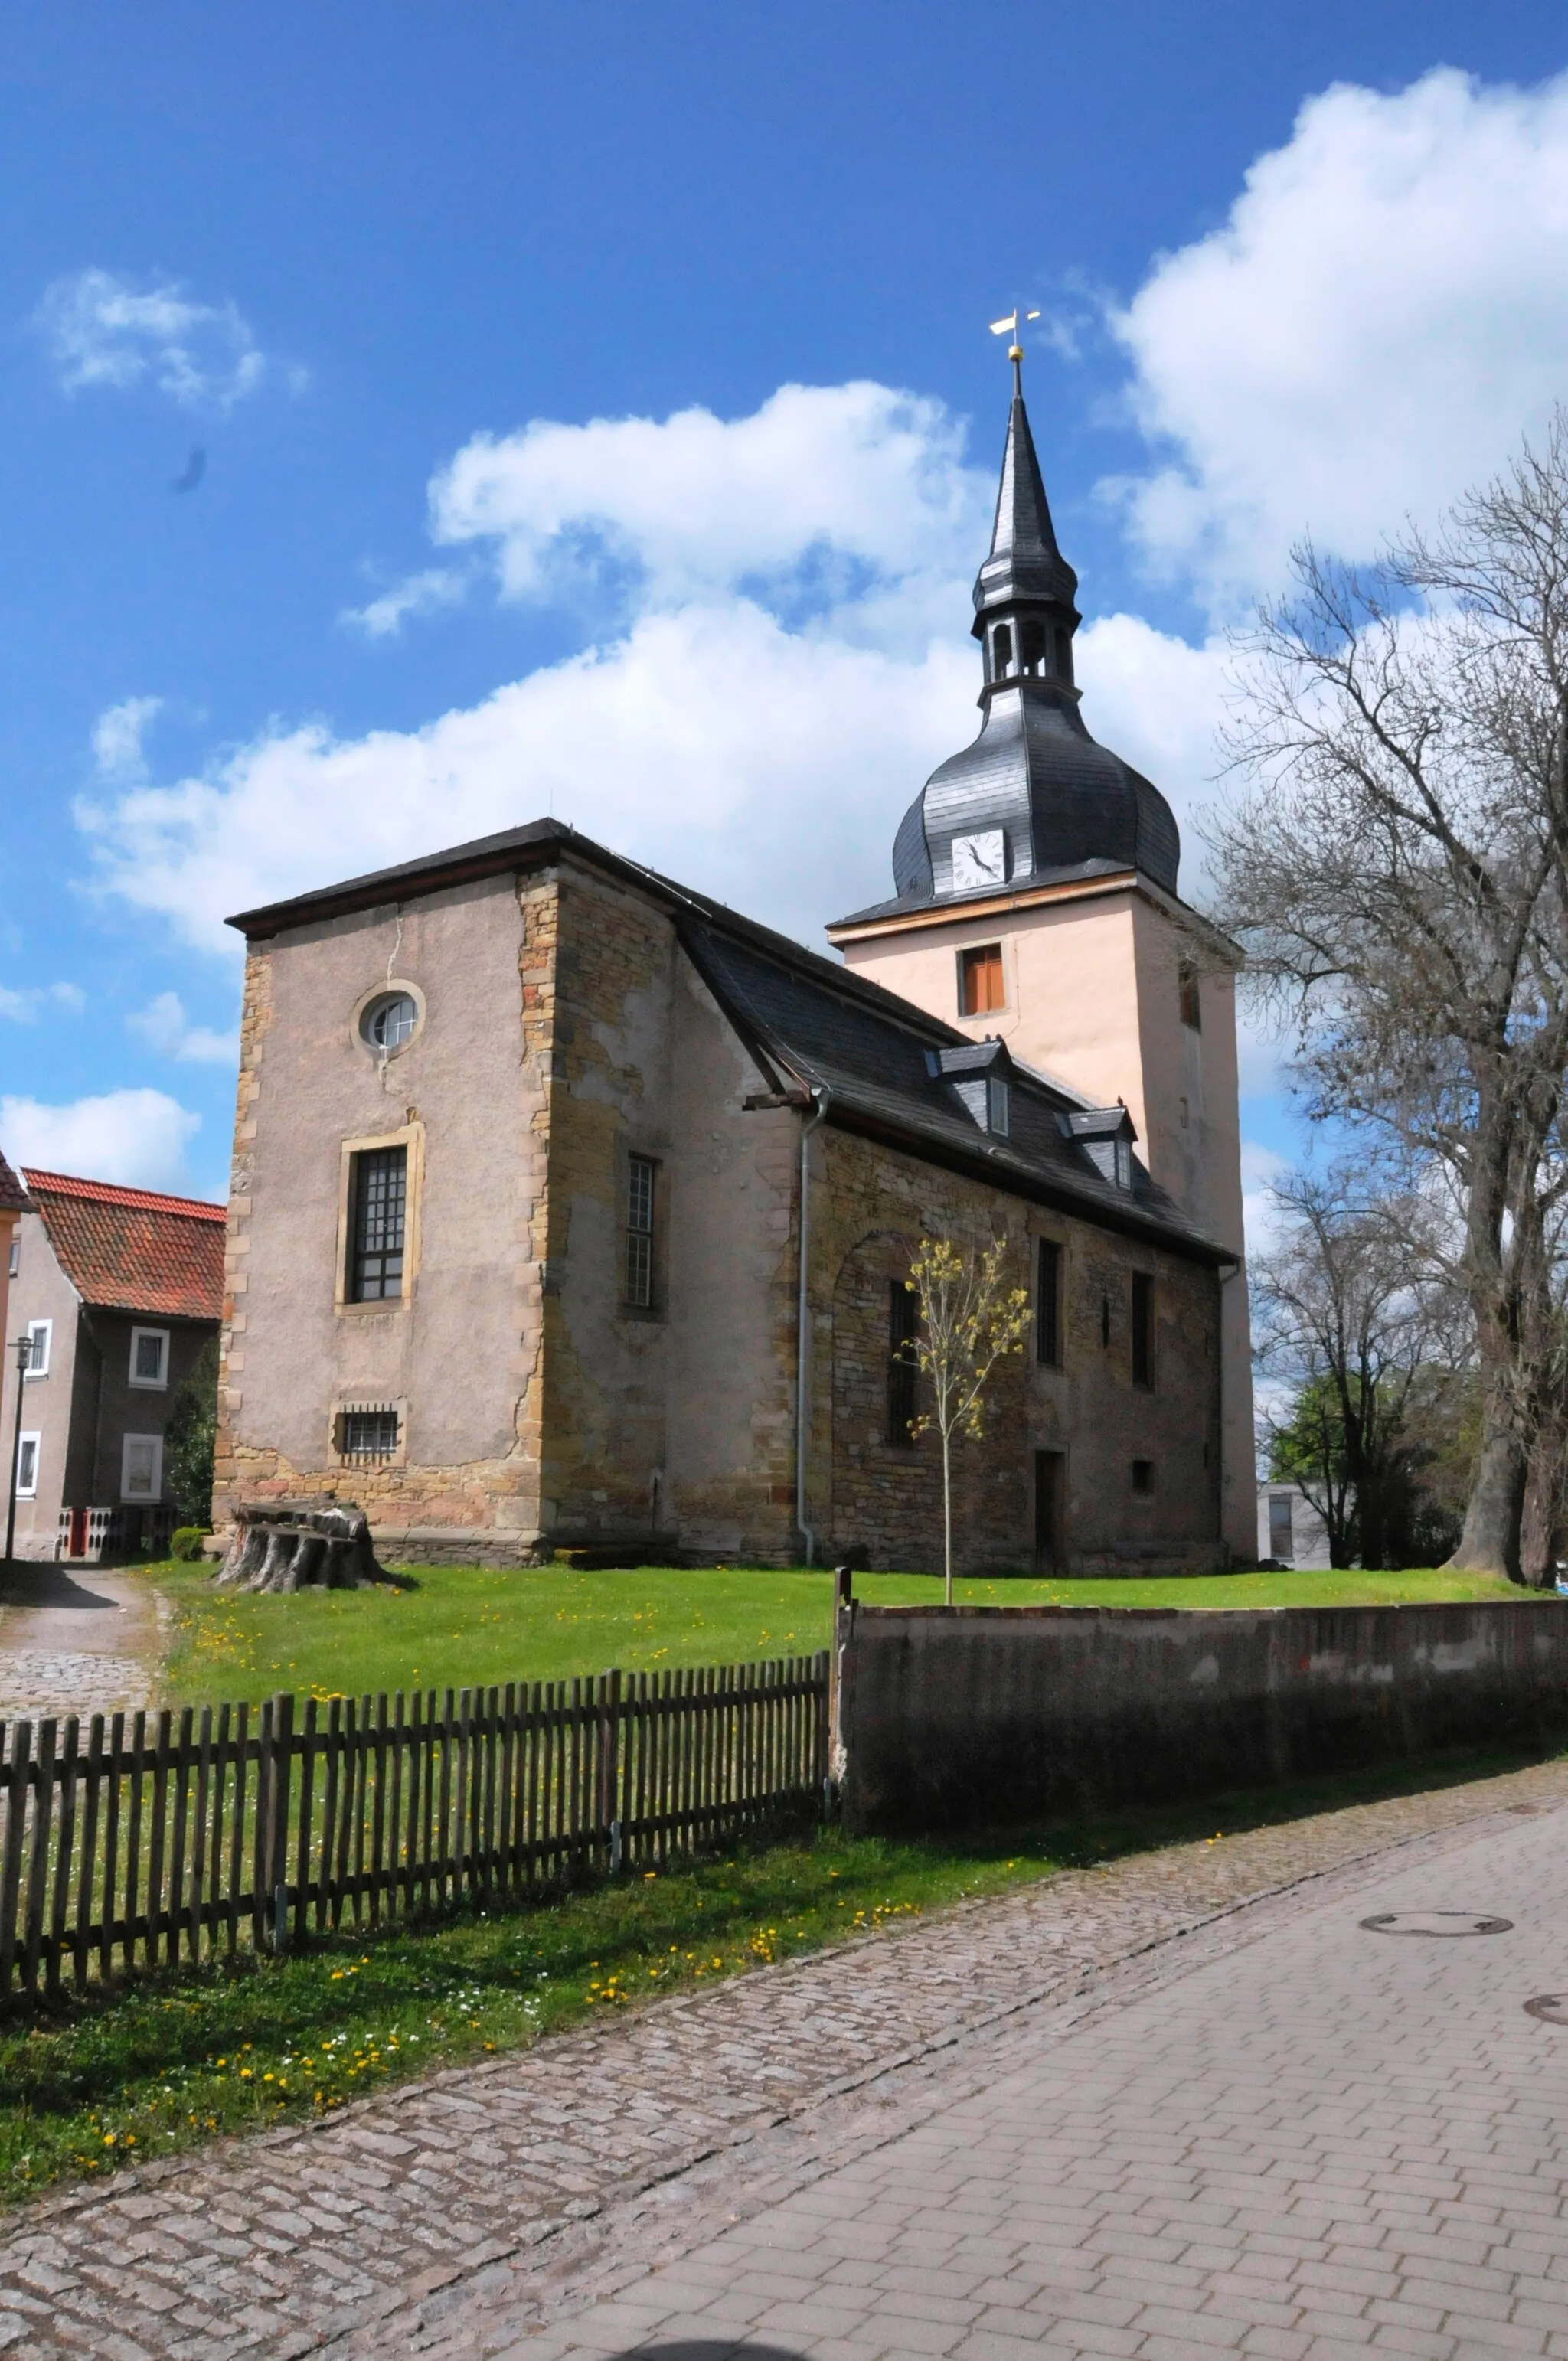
{"type": "Point", "coordinates": [570, 1209]}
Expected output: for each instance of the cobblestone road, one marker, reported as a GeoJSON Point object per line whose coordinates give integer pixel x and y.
{"type": "Point", "coordinates": [75, 1640]}
{"type": "Point", "coordinates": [1146, 2095]}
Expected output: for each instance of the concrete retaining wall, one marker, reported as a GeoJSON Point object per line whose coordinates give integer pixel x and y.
{"type": "Point", "coordinates": [954, 1717]}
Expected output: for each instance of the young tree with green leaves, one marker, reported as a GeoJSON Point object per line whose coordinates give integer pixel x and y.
{"type": "Point", "coordinates": [188, 1440]}
{"type": "Point", "coordinates": [969, 1319]}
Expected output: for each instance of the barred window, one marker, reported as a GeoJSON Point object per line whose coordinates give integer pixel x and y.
{"type": "Point", "coordinates": [640, 1176]}
{"type": "Point", "coordinates": [903, 1367]}
{"type": "Point", "coordinates": [368, 1433]}
{"type": "Point", "coordinates": [379, 1209]}
{"type": "Point", "coordinates": [1143, 1329]}
{"type": "Point", "coordinates": [1048, 1305]}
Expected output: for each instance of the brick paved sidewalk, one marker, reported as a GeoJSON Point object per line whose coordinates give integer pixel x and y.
{"type": "Point", "coordinates": [443, 2217]}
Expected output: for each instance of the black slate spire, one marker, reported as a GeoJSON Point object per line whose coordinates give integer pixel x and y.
{"type": "Point", "coordinates": [1025, 562]}
{"type": "Point", "coordinates": [1035, 797]}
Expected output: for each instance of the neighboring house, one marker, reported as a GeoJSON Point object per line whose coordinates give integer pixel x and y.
{"type": "Point", "coordinates": [541, 1157]}
{"type": "Point", "coordinates": [118, 1290]}
{"type": "Point", "coordinates": [1290, 1530]}
{"type": "Point", "coordinates": [13, 1205]}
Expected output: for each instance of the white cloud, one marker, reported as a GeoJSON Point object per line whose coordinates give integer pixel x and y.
{"type": "Point", "coordinates": [765, 765]}
{"type": "Point", "coordinates": [103, 330]}
{"type": "Point", "coordinates": [1382, 312]}
{"type": "Point", "coordinates": [795, 663]}
{"type": "Point", "coordinates": [135, 1137]}
{"type": "Point", "coordinates": [24, 1006]}
{"type": "Point", "coordinates": [165, 1027]}
{"type": "Point", "coordinates": [823, 494]}
{"type": "Point", "coordinates": [117, 738]}
{"type": "Point", "coordinates": [419, 594]}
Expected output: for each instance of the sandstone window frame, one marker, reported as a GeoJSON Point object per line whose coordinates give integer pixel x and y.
{"type": "Point", "coordinates": [385, 990]}
{"type": "Point", "coordinates": [642, 1182]}
{"type": "Point", "coordinates": [364, 1403]}
{"type": "Point", "coordinates": [408, 1135]}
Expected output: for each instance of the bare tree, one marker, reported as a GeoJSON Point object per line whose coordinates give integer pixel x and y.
{"type": "Point", "coordinates": [1357, 1317]}
{"type": "Point", "coordinates": [1397, 866]}
{"type": "Point", "coordinates": [969, 1319]}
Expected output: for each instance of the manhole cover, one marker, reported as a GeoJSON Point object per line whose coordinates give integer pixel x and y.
{"type": "Point", "coordinates": [1551, 2007]}
{"type": "Point", "coordinates": [1436, 1922]}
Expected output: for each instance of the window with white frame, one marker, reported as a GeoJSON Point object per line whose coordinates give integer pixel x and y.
{"type": "Point", "coordinates": [27, 1465]}
{"type": "Point", "coordinates": [15, 1254]}
{"type": "Point", "coordinates": [150, 1357]}
{"type": "Point", "coordinates": [141, 1467]}
{"type": "Point", "coordinates": [40, 1332]}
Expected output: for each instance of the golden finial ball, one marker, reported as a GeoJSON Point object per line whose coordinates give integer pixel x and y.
{"type": "Point", "coordinates": [1014, 352]}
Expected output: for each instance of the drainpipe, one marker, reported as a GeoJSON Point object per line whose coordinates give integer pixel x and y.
{"type": "Point", "coordinates": [802, 1333]}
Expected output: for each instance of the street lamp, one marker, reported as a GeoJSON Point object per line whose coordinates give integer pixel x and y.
{"type": "Point", "coordinates": [23, 1348]}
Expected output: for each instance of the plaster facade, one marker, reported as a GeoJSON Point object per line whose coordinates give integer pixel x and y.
{"type": "Point", "coordinates": [1092, 997]}
{"type": "Point", "coordinates": [564, 1030]}
{"type": "Point", "coordinates": [85, 1403]}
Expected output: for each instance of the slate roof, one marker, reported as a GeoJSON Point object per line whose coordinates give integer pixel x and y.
{"type": "Point", "coordinates": [14, 1198]}
{"type": "Point", "coordinates": [132, 1250]}
{"type": "Point", "coordinates": [811, 1023]}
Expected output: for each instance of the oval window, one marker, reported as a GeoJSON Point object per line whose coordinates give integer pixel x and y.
{"type": "Point", "coordinates": [390, 1021]}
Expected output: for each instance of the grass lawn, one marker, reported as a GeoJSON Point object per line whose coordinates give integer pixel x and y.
{"type": "Point", "coordinates": [458, 1628]}
{"type": "Point", "coordinates": [125, 2076]}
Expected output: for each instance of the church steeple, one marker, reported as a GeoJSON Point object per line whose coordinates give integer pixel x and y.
{"type": "Point", "coordinates": [1025, 593]}
{"type": "Point", "coordinates": [1035, 797]}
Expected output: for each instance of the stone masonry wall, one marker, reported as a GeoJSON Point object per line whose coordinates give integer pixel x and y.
{"type": "Point", "coordinates": [886, 1495]}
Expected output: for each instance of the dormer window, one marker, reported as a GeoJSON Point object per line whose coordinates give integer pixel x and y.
{"type": "Point", "coordinates": [1001, 652]}
{"type": "Point", "coordinates": [978, 1074]}
{"type": "Point", "coordinates": [1106, 1137]}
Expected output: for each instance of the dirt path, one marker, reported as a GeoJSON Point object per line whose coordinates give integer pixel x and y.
{"type": "Point", "coordinates": [77, 1641]}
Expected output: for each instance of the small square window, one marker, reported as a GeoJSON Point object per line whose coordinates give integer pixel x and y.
{"type": "Point", "coordinates": [979, 981]}
{"type": "Point", "coordinates": [39, 1334]}
{"type": "Point", "coordinates": [1143, 1475]}
{"type": "Point", "coordinates": [368, 1433]}
{"type": "Point", "coordinates": [141, 1467]}
{"type": "Point", "coordinates": [149, 1357]}
{"type": "Point", "coordinates": [27, 1466]}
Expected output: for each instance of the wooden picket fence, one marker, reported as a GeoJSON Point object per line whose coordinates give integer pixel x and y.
{"type": "Point", "coordinates": [149, 1837]}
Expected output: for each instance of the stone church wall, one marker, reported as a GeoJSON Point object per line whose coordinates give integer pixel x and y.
{"type": "Point", "coordinates": [885, 1497]}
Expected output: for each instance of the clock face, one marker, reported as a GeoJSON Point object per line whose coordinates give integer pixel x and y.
{"type": "Point", "coordinates": [979, 860]}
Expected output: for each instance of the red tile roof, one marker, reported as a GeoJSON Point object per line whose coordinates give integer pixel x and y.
{"type": "Point", "coordinates": [13, 1196]}
{"type": "Point", "coordinates": [132, 1250]}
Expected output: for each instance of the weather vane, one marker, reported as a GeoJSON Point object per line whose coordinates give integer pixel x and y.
{"type": "Point", "coordinates": [1012, 326]}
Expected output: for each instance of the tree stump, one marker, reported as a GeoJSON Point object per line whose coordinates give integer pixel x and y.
{"type": "Point", "coordinates": [301, 1546]}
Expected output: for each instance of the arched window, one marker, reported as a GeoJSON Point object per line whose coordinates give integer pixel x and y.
{"type": "Point", "coordinates": [1032, 649]}
{"type": "Point", "coordinates": [1064, 653]}
{"type": "Point", "coordinates": [1001, 652]}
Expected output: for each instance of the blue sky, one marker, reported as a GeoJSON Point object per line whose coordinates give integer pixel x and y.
{"type": "Point", "coordinates": [416, 419]}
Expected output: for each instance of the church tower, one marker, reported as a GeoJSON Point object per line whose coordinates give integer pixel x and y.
{"type": "Point", "coordinates": [1036, 900]}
